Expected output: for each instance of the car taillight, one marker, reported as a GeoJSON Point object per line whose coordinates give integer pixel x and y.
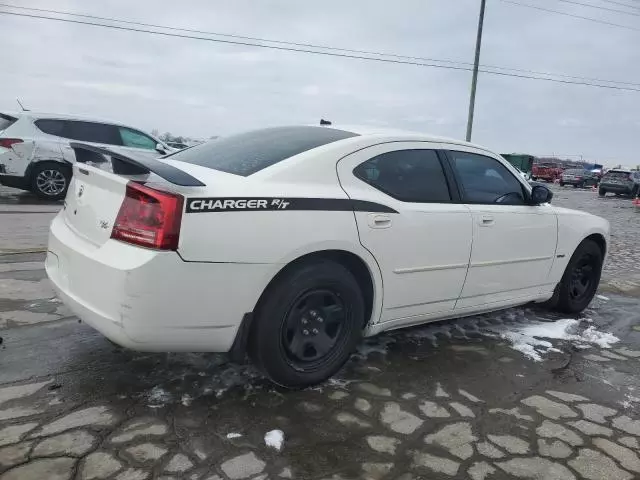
{"type": "Point", "coordinates": [149, 218]}
{"type": "Point", "coordinates": [8, 142]}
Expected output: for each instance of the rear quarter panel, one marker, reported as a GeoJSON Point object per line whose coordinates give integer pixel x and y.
{"type": "Point", "coordinates": [273, 237]}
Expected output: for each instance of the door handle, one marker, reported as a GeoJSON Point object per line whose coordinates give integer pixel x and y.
{"type": "Point", "coordinates": [486, 221]}
{"type": "Point", "coordinates": [379, 221]}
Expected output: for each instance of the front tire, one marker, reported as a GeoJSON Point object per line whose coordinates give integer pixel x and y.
{"type": "Point", "coordinates": [602, 192]}
{"type": "Point", "coordinates": [50, 180]}
{"type": "Point", "coordinates": [308, 324]}
{"type": "Point", "coordinates": [581, 278]}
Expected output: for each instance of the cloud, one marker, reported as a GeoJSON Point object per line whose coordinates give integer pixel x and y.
{"type": "Point", "coordinates": [201, 88]}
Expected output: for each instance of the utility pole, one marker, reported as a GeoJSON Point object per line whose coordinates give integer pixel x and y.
{"type": "Point", "coordinates": [474, 80]}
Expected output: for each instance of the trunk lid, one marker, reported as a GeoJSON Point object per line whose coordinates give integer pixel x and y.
{"type": "Point", "coordinates": [93, 201]}
{"type": "Point", "coordinates": [99, 186]}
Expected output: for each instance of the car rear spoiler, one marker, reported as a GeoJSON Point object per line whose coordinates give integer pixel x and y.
{"type": "Point", "coordinates": [125, 165]}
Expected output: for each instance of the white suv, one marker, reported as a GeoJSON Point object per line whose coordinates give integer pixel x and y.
{"type": "Point", "coordinates": [35, 154]}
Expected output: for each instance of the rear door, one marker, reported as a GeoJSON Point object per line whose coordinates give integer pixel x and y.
{"type": "Point", "coordinates": [422, 244]}
{"type": "Point", "coordinates": [513, 243]}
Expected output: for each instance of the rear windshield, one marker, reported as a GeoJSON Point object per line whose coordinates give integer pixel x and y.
{"type": "Point", "coordinates": [575, 171]}
{"type": "Point", "coordinates": [248, 153]}
{"type": "Point", "coordinates": [6, 121]}
{"type": "Point", "coordinates": [618, 175]}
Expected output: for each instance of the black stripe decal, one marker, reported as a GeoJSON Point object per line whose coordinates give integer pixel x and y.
{"type": "Point", "coordinates": [252, 204]}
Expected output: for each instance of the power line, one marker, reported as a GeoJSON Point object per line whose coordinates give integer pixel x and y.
{"type": "Point", "coordinates": [315, 52]}
{"type": "Point", "coordinates": [600, 7]}
{"type": "Point", "coordinates": [622, 4]}
{"type": "Point", "coordinates": [323, 47]}
{"type": "Point", "coordinates": [571, 15]}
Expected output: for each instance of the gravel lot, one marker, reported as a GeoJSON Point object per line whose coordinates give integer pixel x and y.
{"type": "Point", "coordinates": [448, 400]}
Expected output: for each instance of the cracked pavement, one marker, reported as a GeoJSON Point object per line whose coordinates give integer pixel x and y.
{"type": "Point", "coordinates": [441, 401]}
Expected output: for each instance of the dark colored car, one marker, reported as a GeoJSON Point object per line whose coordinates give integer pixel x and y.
{"type": "Point", "coordinates": [620, 182]}
{"type": "Point", "coordinates": [578, 177]}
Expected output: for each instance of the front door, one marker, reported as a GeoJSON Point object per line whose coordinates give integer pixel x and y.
{"type": "Point", "coordinates": [513, 243]}
{"type": "Point", "coordinates": [423, 247]}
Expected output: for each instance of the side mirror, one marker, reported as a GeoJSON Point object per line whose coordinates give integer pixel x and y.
{"type": "Point", "coordinates": [540, 194]}
{"type": "Point", "coordinates": [160, 148]}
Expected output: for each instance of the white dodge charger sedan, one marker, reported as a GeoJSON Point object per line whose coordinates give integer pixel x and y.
{"type": "Point", "coordinates": [291, 243]}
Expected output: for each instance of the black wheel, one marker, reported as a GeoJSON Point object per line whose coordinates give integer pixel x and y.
{"type": "Point", "coordinates": [581, 278]}
{"type": "Point", "coordinates": [308, 324]}
{"type": "Point", "coordinates": [602, 192]}
{"type": "Point", "coordinates": [562, 184]}
{"type": "Point", "coordinates": [635, 191]}
{"type": "Point", "coordinates": [50, 180]}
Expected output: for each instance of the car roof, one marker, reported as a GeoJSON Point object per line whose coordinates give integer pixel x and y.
{"type": "Point", "coordinates": [401, 134]}
{"type": "Point", "coordinates": [66, 116]}
{"type": "Point", "coordinates": [621, 170]}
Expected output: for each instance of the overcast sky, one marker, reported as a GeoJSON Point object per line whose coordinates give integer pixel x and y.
{"type": "Point", "coordinates": [200, 88]}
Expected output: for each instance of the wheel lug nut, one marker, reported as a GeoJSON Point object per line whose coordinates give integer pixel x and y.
{"type": "Point", "coordinates": [315, 331]}
{"type": "Point", "coordinates": [320, 319]}
{"type": "Point", "coordinates": [313, 313]}
{"type": "Point", "coordinates": [305, 321]}
{"type": "Point", "coordinates": [305, 332]}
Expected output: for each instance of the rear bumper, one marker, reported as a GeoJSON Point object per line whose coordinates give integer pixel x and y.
{"type": "Point", "coordinates": [616, 188]}
{"type": "Point", "coordinates": [149, 300]}
{"type": "Point", "coordinates": [13, 181]}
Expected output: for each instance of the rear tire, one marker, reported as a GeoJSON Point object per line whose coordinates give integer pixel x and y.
{"type": "Point", "coordinates": [602, 192]}
{"type": "Point", "coordinates": [308, 324]}
{"type": "Point", "coordinates": [50, 180]}
{"type": "Point", "coordinates": [581, 278]}
{"type": "Point", "coordinates": [562, 184]}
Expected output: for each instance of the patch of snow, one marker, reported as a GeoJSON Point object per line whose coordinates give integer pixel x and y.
{"type": "Point", "coordinates": [602, 297]}
{"type": "Point", "coordinates": [602, 339]}
{"type": "Point", "coordinates": [274, 439]}
{"type": "Point", "coordinates": [527, 338]}
{"type": "Point", "coordinates": [187, 399]}
{"type": "Point", "coordinates": [233, 435]}
{"type": "Point", "coordinates": [158, 397]}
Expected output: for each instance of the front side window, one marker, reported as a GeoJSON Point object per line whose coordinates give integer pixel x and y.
{"type": "Point", "coordinates": [134, 139]}
{"type": "Point", "coordinates": [485, 180]}
{"type": "Point", "coordinates": [407, 175]}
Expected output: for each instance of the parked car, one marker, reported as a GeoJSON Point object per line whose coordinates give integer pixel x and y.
{"type": "Point", "coordinates": [35, 154]}
{"type": "Point", "coordinates": [579, 178]}
{"type": "Point", "coordinates": [291, 243]}
{"type": "Point", "coordinates": [621, 182]}
{"type": "Point", "coordinates": [548, 172]}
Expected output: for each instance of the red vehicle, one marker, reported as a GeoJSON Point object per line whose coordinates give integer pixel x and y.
{"type": "Point", "coordinates": [549, 172]}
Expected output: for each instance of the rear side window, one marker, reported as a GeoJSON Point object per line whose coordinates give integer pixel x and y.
{"type": "Point", "coordinates": [52, 127]}
{"type": "Point", "coordinates": [134, 139]}
{"type": "Point", "coordinates": [407, 175]}
{"type": "Point", "coordinates": [92, 132]}
{"type": "Point", "coordinates": [6, 121]}
{"type": "Point", "coordinates": [250, 152]}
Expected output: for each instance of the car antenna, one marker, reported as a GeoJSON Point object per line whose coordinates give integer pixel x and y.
{"type": "Point", "coordinates": [324, 122]}
{"type": "Point", "coordinates": [22, 106]}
